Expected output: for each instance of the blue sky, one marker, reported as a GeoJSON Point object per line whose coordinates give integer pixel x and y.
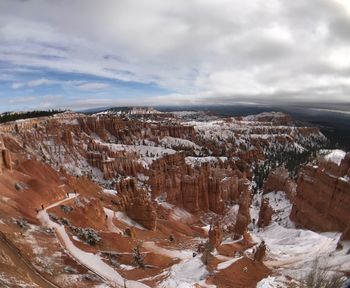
{"type": "Point", "coordinates": [87, 53]}
{"type": "Point", "coordinates": [40, 88]}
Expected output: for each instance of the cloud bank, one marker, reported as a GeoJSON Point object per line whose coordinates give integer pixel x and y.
{"type": "Point", "coordinates": [125, 52]}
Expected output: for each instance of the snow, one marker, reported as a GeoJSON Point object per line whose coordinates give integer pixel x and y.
{"type": "Point", "coordinates": [203, 284]}
{"type": "Point", "coordinates": [270, 282]}
{"type": "Point", "coordinates": [228, 263]}
{"type": "Point", "coordinates": [181, 215]}
{"type": "Point", "coordinates": [255, 208]}
{"type": "Point", "coordinates": [346, 178]}
{"type": "Point", "coordinates": [231, 216]}
{"type": "Point", "coordinates": [335, 156]}
{"type": "Point", "coordinates": [111, 227]}
{"type": "Point", "coordinates": [293, 251]}
{"type": "Point", "coordinates": [185, 274]}
{"type": "Point", "coordinates": [206, 228]}
{"type": "Point", "coordinates": [110, 192]}
{"type": "Point", "coordinates": [280, 203]}
{"type": "Point", "coordinates": [176, 213]}
{"type": "Point", "coordinates": [89, 260]}
{"type": "Point", "coordinates": [142, 150]}
{"type": "Point", "coordinates": [172, 142]}
{"type": "Point", "coordinates": [76, 239]}
{"type": "Point", "coordinates": [126, 267]}
{"type": "Point", "coordinates": [147, 153]}
{"type": "Point", "coordinates": [121, 216]}
{"type": "Point", "coordinates": [180, 254]}
{"type": "Point", "coordinates": [198, 161]}
{"type": "Point", "coordinates": [231, 241]}
{"type": "Point", "coordinates": [264, 114]}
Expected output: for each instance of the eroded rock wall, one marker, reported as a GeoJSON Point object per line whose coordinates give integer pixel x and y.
{"type": "Point", "coordinates": [323, 198]}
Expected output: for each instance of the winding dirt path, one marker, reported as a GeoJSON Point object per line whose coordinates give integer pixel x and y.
{"type": "Point", "coordinates": [89, 260]}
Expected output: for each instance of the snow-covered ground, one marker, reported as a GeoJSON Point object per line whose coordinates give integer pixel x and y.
{"type": "Point", "coordinates": [280, 203]}
{"type": "Point", "coordinates": [180, 254]}
{"type": "Point", "coordinates": [294, 252]}
{"type": "Point", "coordinates": [176, 213]}
{"type": "Point", "coordinates": [185, 274]}
{"type": "Point", "coordinates": [147, 153]}
{"type": "Point", "coordinates": [171, 142]}
{"type": "Point", "coordinates": [121, 216]}
{"type": "Point", "coordinates": [226, 264]}
{"type": "Point", "coordinates": [274, 282]}
{"type": "Point", "coordinates": [198, 161]}
{"type": "Point", "coordinates": [335, 156]}
{"type": "Point", "coordinates": [111, 215]}
{"type": "Point", "coordinates": [110, 192]}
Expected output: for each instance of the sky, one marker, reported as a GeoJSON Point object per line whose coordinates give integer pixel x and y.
{"type": "Point", "coordinates": [79, 54]}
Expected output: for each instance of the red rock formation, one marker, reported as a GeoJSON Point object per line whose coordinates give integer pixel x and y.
{"type": "Point", "coordinates": [127, 130]}
{"type": "Point", "coordinates": [86, 212]}
{"type": "Point", "coordinates": [103, 162]}
{"type": "Point", "coordinates": [5, 159]}
{"type": "Point", "coordinates": [346, 233]}
{"type": "Point", "coordinates": [199, 188]}
{"type": "Point", "coordinates": [141, 210]}
{"type": "Point", "coordinates": [136, 203]}
{"type": "Point", "coordinates": [265, 214]}
{"type": "Point", "coordinates": [322, 202]}
{"type": "Point", "coordinates": [67, 137]}
{"type": "Point", "coordinates": [243, 216]}
{"type": "Point", "coordinates": [278, 180]}
{"type": "Point", "coordinates": [215, 235]}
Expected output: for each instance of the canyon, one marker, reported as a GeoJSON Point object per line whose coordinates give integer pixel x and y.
{"type": "Point", "coordinates": [142, 198]}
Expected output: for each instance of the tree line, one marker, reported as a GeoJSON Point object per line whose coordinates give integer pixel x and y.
{"type": "Point", "coordinates": [13, 116]}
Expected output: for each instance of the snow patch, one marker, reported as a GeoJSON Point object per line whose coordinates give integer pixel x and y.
{"type": "Point", "coordinates": [180, 254]}
{"type": "Point", "coordinates": [110, 192]}
{"type": "Point", "coordinates": [228, 263]}
{"type": "Point", "coordinates": [335, 156]}
{"type": "Point", "coordinates": [186, 274]}
{"type": "Point", "coordinates": [292, 252]}
{"type": "Point", "coordinates": [121, 216]}
{"type": "Point", "coordinates": [198, 161]}
{"type": "Point", "coordinates": [280, 203]}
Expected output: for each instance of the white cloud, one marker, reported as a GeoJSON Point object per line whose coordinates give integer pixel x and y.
{"type": "Point", "coordinates": [22, 100]}
{"type": "Point", "coordinates": [40, 82]}
{"type": "Point", "coordinates": [17, 85]}
{"type": "Point", "coordinates": [92, 86]}
{"type": "Point", "coordinates": [209, 48]}
{"type": "Point", "coordinates": [33, 83]}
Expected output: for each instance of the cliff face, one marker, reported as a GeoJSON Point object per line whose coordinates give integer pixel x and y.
{"type": "Point", "coordinates": [323, 196]}
{"type": "Point", "coordinates": [278, 180]}
{"type": "Point", "coordinates": [142, 211]}
{"type": "Point", "coordinates": [136, 203]}
{"type": "Point", "coordinates": [5, 157]}
{"type": "Point", "coordinates": [128, 130]}
{"type": "Point", "coordinates": [206, 187]}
